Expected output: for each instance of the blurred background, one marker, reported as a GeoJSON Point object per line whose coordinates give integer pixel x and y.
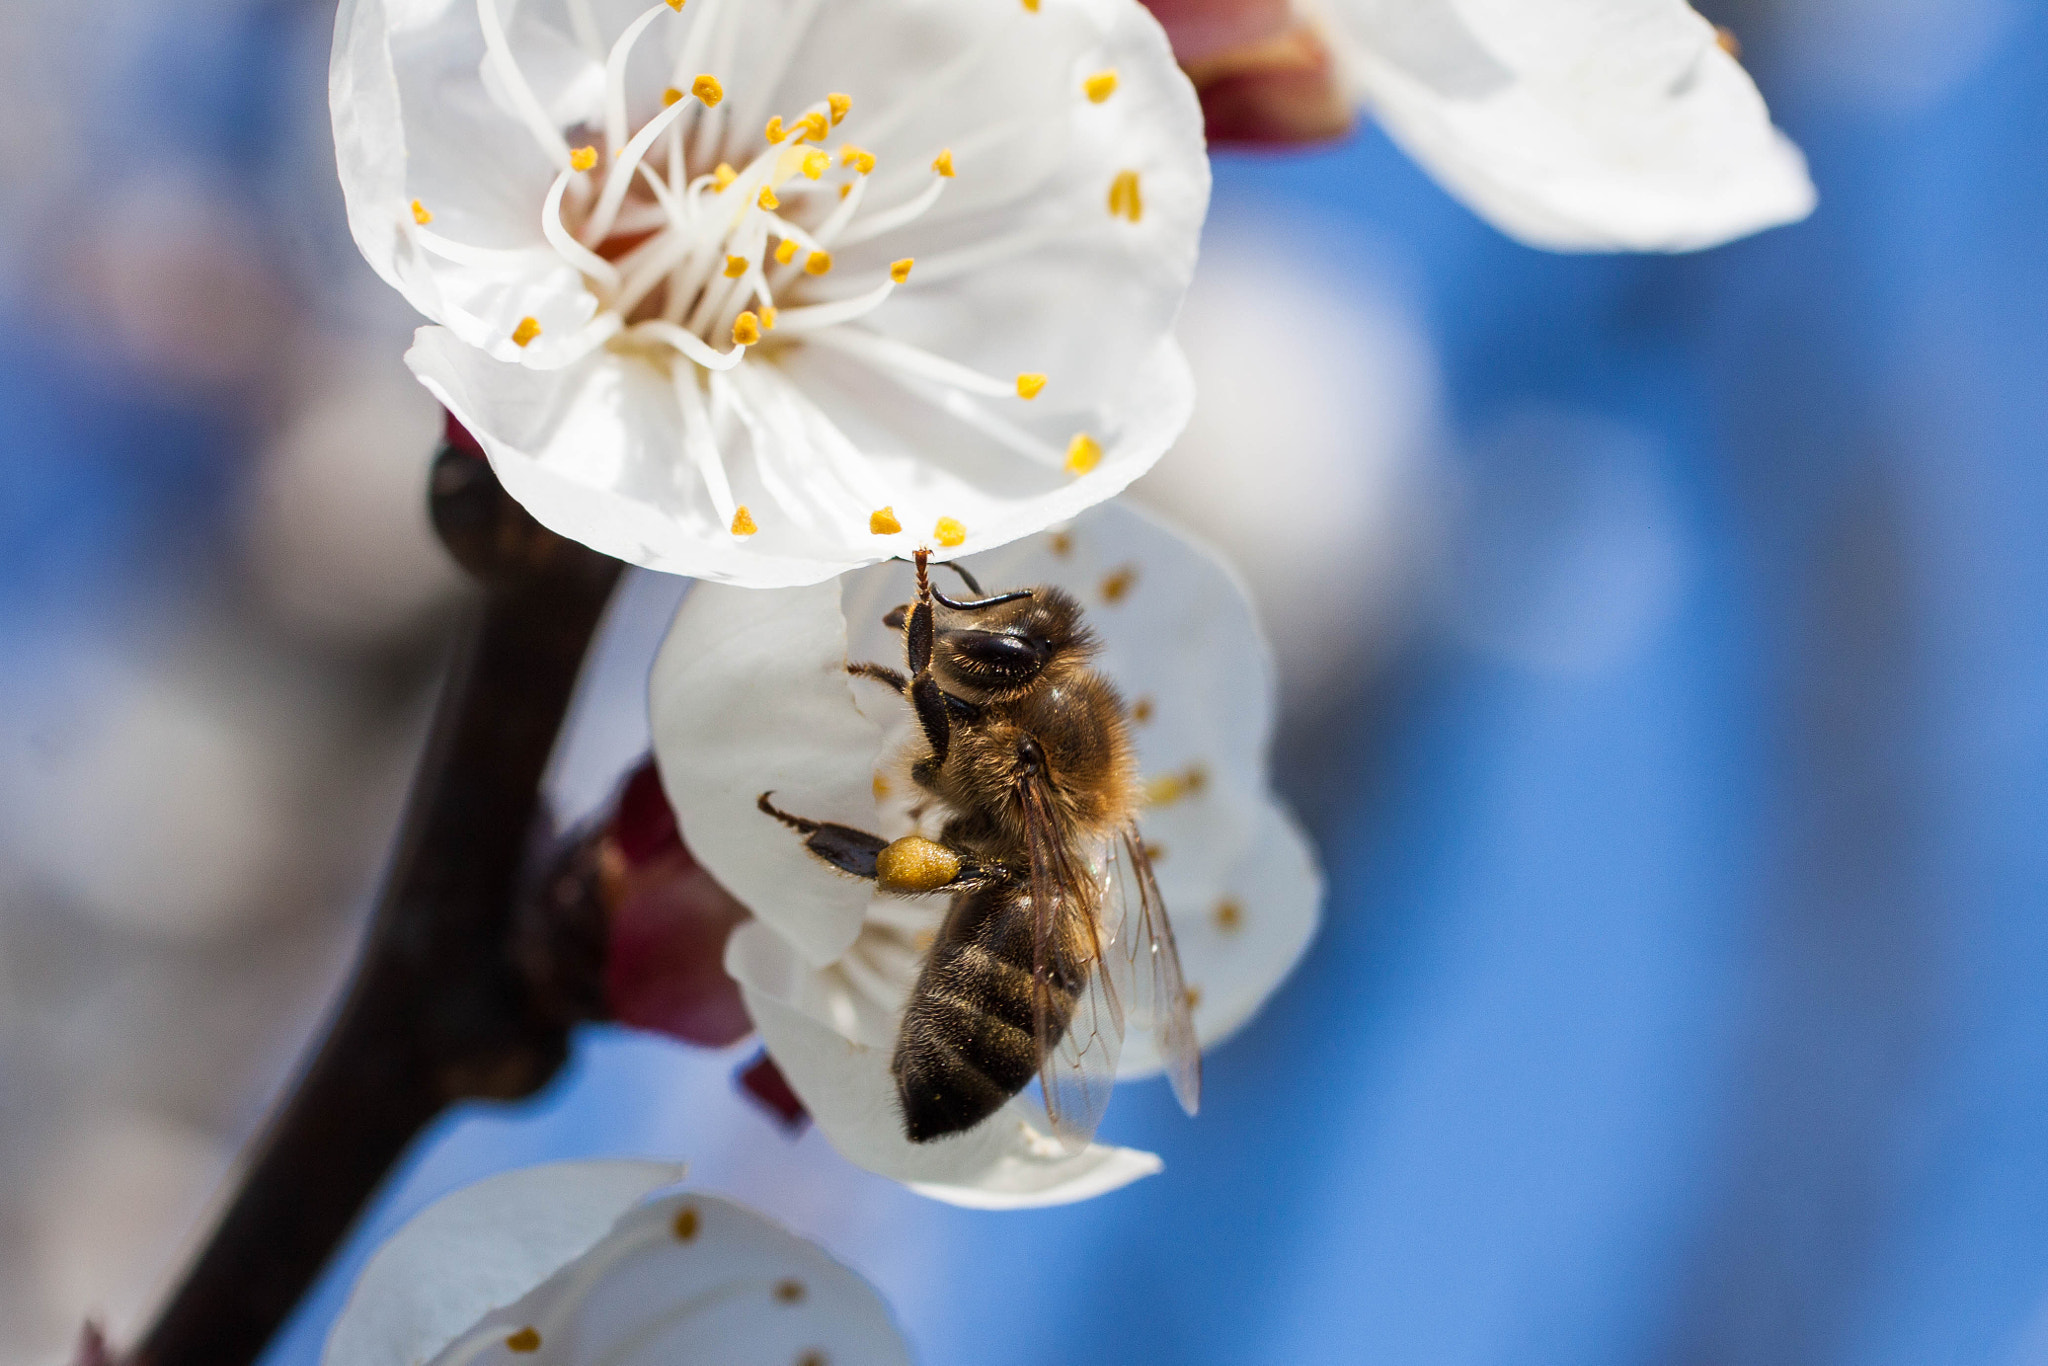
{"type": "Point", "coordinates": [1665, 648]}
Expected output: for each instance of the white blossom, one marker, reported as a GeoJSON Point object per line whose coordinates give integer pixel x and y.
{"type": "Point", "coordinates": [1578, 125]}
{"type": "Point", "coordinates": [761, 290]}
{"type": "Point", "coordinates": [751, 694]}
{"type": "Point", "coordinates": [594, 1264]}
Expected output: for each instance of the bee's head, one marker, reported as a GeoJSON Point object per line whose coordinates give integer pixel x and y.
{"type": "Point", "coordinates": [1007, 646]}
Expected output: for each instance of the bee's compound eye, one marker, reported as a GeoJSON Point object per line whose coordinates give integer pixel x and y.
{"type": "Point", "coordinates": [915, 864]}
{"type": "Point", "coordinates": [997, 656]}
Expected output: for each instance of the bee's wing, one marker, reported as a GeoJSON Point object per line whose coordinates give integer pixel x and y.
{"type": "Point", "coordinates": [1070, 954]}
{"type": "Point", "coordinates": [1156, 997]}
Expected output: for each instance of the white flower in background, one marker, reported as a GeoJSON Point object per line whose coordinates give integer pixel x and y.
{"type": "Point", "coordinates": [581, 1264]}
{"type": "Point", "coordinates": [761, 290]}
{"type": "Point", "coordinates": [751, 694]}
{"type": "Point", "coordinates": [1577, 125]}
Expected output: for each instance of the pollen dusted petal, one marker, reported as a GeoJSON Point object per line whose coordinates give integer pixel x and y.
{"type": "Point", "coordinates": [1124, 199]}
{"type": "Point", "coordinates": [839, 104]}
{"type": "Point", "coordinates": [817, 263]}
{"type": "Point", "coordinates": [943, 163]}
{"type": "Point", "coordinates": [1084, 453]}
{"type": "Point", "coordinates": [528, 329]}
{"type": "Point", "coordinates": [948, 532]}
{"type": "Point", "coordinates": [420, 214]}
{"type": "Point", "coordinates": [743, 521]}
{"type": "Point", "coordinates": [882, 522]}
{"type": "Point", "coordinates": [899, 271]}
{"type": "Point", "coordinates": [707, 88]}
{"type": "Point", "coordinates": [1030, 384]}
{"type": "Point", "coordinates": [746, 330]}
{"type": "Point", "coordinates": [583, 158]}
{"type": "Point", "coordinates": [1101, 85]}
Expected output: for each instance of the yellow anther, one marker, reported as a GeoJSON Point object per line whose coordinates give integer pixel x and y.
{"type": "Point", "coordinates": [743, 522]}
{"type": "Point", "coordinates": [420, 214]}
{"type": "Point", "coordinates": [943, 163]}
{"type": "Point", "coordinates": [1141, 710]}
{"type": "Point", "coordinates": [528, 329]}
{"type": "Point", "coordinates": [1031, 6]}
{"type": "Point", "coordinates": [583, 158]}
{"type": "Point", "coordinates": [914, 864]}
{"type": "Point", "coordinates": [746, 330]}
{"type": "Point", "coordinates": [899, 271]}
{"type": "Point", "coordinates": [789, 1292]}
{"type": "Point", "coordinates": [767, 200]}
{"type": "Point", "coordinates": [859, 158]}
{"type": "Point", "coordinates": [1124, 199]}
{"type": "Point", "coordinates": [814, 127]}
{"type": "Point", "coordinates": [880, 787]}
{"type": "Point", "coordinates": [707, 88]}
{"type": "Point", "coordinates": [686, 1224]}
{"type": "Point", "coordinates": [1169, 788]}
{"type": "Point", "coordinates": [1062, 545]}
{"type": "Point", "coordinates": [1229, 915]}
{"type": "Point", "coordinates": [948, 532]}
{"type": "Point", "coordinates": [1725, 39]}
{"type": "Point", "coordinates": [676, 5]}
{"type": "Point", "coordinates": [670, 95]}
{"type": "Point", "coordinates": [774, 132]}
{"type": "Point", "coordinates": [1030, 384]}
{"type": "Point", "coordinates": [845, 190]}
{"type": "Point", "coordinates": [1084, 453]}
{"type": "Point", "coordinates": [817, 263]}
{"type": "Point", "coordinates": [735, 266]}
{"type": "Point", "coordinates": [816, 163]}
{"type": "Point", "coordinates": [787, 251]}
{"type": "Point", "coordinates": [767, 318]}
{"type": "Point", "coordinates": [882, 521]}
{"type": "Point", "coordinates": [723, 176]}
{"type": "Point", "coordinates": [525, 1340]}
{"type": "Point", "coordinates": [1101, 85]}
{"type": "Point", "coordinates": [839, 104]}
{"type": "Point", "coordinates": [1116, 585]}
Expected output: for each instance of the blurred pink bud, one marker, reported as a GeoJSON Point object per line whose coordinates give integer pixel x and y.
{"type": "Point", "coordinates": [763, 1083]}
{"type": "Point", "coordinates": [92, 1347]}
{"type": "Point", "coordinates": [1201, 29]}
{"type": "Point", "coordinates": [1279, 90]}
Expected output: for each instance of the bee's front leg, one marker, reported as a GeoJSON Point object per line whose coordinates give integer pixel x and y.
{"type": "Point", "coordinates": [927, 699]}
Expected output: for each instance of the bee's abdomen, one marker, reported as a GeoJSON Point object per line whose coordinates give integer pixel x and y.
{"type": "Point", "coordinates": [966, 1044]}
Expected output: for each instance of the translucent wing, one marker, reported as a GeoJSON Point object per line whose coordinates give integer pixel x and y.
{"type": "Point", "coordinates": [1145, 954]}
{"type": "Point", "coordinates": [1077, 1018]}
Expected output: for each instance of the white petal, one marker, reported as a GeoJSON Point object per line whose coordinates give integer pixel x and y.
{"type": "Point", "coordinates": [479, 1249]}
{"type": "Point", "coordinates": [1005, 1163]}
{"type": "Point", "coordinates": [1578, 125]}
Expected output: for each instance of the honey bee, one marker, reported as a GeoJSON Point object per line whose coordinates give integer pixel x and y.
{"type": "Point", "coordinates": [1056, 934]}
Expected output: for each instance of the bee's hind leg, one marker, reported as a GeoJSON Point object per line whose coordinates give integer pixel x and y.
{"type": "Point", "coordinates": [845, 848]}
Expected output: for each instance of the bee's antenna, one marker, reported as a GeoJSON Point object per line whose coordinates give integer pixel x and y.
{"type": "Point", "coordinates": [979, 603]}
{"type": "Point", "coordinates": [965, 577]}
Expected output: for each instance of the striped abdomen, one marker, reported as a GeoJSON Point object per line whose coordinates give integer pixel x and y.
{"type": "Point", "coordinates": [966, 1044]}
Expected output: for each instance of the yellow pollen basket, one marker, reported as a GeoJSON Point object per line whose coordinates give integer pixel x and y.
{"type": "Point", "coordinates": [882, 522]}
{"type": "Point", "coordinates": [735, 266]}
{"type": "Point", "coordinates": [774, 132]}
{"type": "Point", "coordinates": [1101, 85]}
{"type": "Point", "coordinates": [817, 263]}
{"type": "Point", "coordinates": [528, 329]}
{"type": "Point", "coordinates": [1124, 199]}
{"type": "Point", "coordinates": [746, 329]}
{"type": "Point", "coordinates": [816, 163]}
{"type": "Point", "coordinates": [1030, 384]}
{"type": "Point", "coordinates": [723, 176]}
{"type": "Point", "coordinates": [583, 158]}
{"type": "Point", "coordinates": [767, 200]}
{"type": "Point", "coordinates": [859, 158]}
{"type": "Point", "coordinates": [1084, 453]}
{"type": "Point", "coordinates": [943, 163]}
{"type": "Point", "coordinates": [899, 271]}
{"type": "Point", "coordinates": [948, 532]}
{"type": "Point", "coordinates": [743, 522]}
{"type": "Point", "coordinates": [787, 251]}
{"type": "Point", "coordinates": [420, 214]}
{"type": "Point", "coordinates": [707, 88]}
{"type": "Point", "coordinates": [915, 864]}
{"type": "Point", "coordinates": [839, 105]}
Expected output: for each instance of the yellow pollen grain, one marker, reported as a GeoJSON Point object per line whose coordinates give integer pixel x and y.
{"type": "Point", "coordinates": [1228, 915]}
{"type": "Point", "coordinates": [1084, 453]}
{"type": "Point", "coordinates": [838, 104]}
{"type": "Point", "coordinates": [882, 522]}
{"type": "Point", "coordinates": [583, 158]}
{"type": "Point", "coordinates": [735, 266]}
{"type": "Point", "coordinates": [943, 163]}
{"type": "Point", "coordinates": [816, 163]}
{"type": "Point", "coordinates": [707, 88]}
{"type": "Point", "coordinates": [1101, 85]}
{"type": "Point", "coordinates": [899, 271]}
{"type": "Point", "coordinates": [1141, 710]}
{"type": "Point", "coordinates": [948, 532]}
{"type": "Point", "coordinates": [817, 263]}
{"type": "Point", "coordinates": [774, 132]}
{"type": "Point", "coordinates": [767, 318]}
{"type": "Point", "coordinates": [860, 158]}
{"type": "Point", "coordinates": [685, 1224]}
{"type": "Point", "coordinates": [1030, 384]}
{"type": "Point", "coordinates": [723, 176]}
{"type": "Point", "coordinates": [787, 251]}
{"type": "Point", "coordinates": [670, 95]}
{"type": "Point", "coordinates": [525, 1340]}
{"type": "Point", "coordinates": [1116, 585]}
{"type": "Point", "coordinates": [528, 329]}
{"type": "Point", "coordinates": [789, 1292]}
{"type": "Point", "coordinates": [1124, 199]}
{"type": "Point", "coordinates": [420, 214]}
{"type": "Point", "coordinates": [743, 522]}
{"type": "Point", "coordinates": [814, 127]}
{"type": "Point", "coordinates": [746, 329]}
